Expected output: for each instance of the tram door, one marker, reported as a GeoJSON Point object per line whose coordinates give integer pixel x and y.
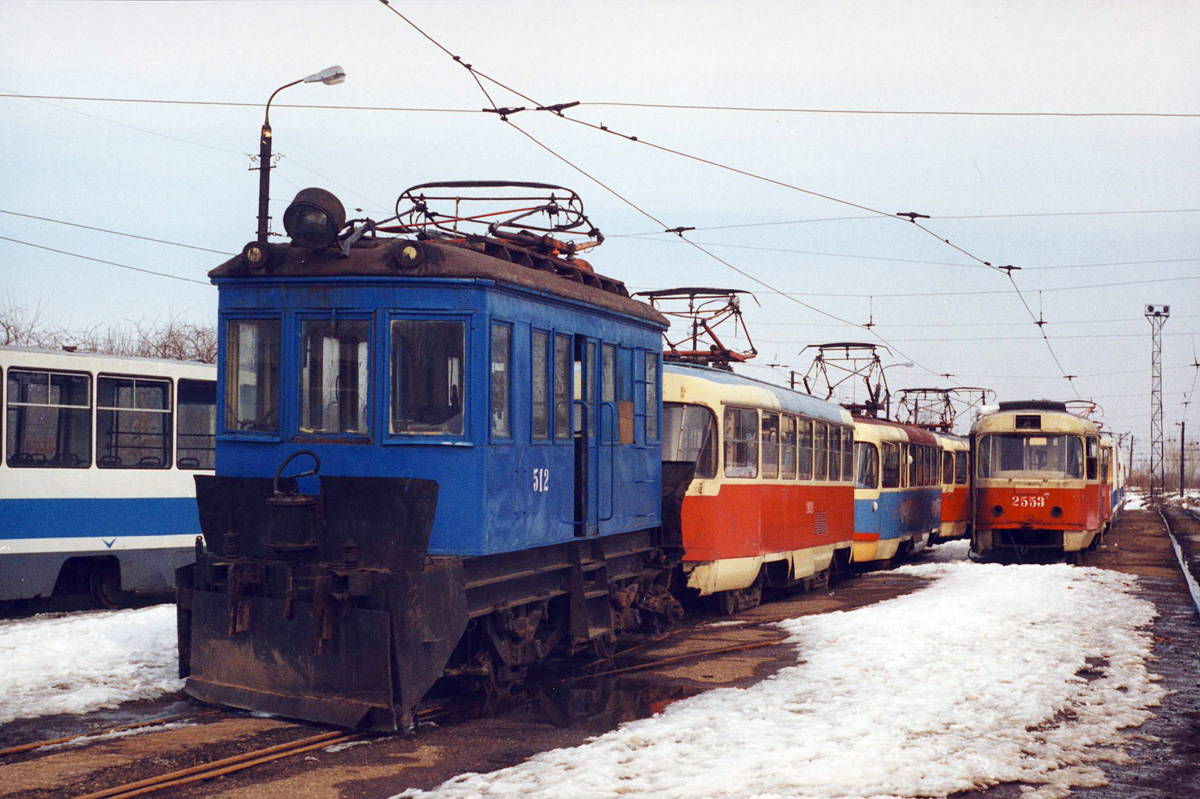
{"type": "Point", "coordinates": [587, 521]}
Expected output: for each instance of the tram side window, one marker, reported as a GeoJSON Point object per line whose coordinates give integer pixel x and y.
{"type": "Point", "coordinates": [690, 435]}
{"type": "Point", "coordinates": [770, 445]}
{"type": "Point", "coordinates": [252, 375]}
{"type": "Point", "coordinates": [867, 458]}
{"type": "Point", "coordinates": [196, 425]}
{"type": "Point", "coordinates": [651, 396]}
{"type": "Point", "coordinates": [891, 465]}
{"type": "Point", "coordinates": [847, 454]}
{"type": "Point", "coordinates": [960, 468]}
{"type": "Point", "coordinates": [787, 449]}
{"type": "Point", "coordinates": [133, 423]}
{"type": "Point", "coordinates": [741, 442]}
{"type": "Point", "coordinates": [335, 388]}
{"type": "Point", "coordinates": [914, 465]}
{"type": "Point", "coordinates": [821, 451]}
{"type": "Point", "coordinates": [563, 375]}
{"type": "Point", "coordinates": [835, 453]}
{"type": "Point", "coordinates": [427, 377]}
{"type": "Point", "coordinates": [607, 420]}
{"type": "Point", "coordinates": [540, 388]}
{"type": "Point", "coordinates": [501, 376]}
{"type": "Point", "coordinates": [1092, 459]}
{"type": "Point", "coordinates": [804, 447]}
{"type": "Point", "coordinates": [49, 421]}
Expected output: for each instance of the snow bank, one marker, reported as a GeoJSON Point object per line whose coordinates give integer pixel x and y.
{"type": "Point", "coordinates": [82, 662]}
{"type": "Point", "coordinates": [991, 674]}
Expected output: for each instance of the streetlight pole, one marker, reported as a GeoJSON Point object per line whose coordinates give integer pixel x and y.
{"type": "Point", "coordinates": [331, 76]}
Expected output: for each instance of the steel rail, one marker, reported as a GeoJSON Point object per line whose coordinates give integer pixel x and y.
{"type": "Point", "coordinates": [1189, 578]}
{"type": "Point", "coordinates": [219, 768]}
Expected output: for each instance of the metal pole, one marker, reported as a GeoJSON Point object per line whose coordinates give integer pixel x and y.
{"type": "Point", "coordinates": [264, 181]}
{"type": "Point", "coordinates": [1182, 439]}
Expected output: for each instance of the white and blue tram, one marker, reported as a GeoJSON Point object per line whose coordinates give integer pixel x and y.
{"type": "Point", "coordinates": [96, 471]}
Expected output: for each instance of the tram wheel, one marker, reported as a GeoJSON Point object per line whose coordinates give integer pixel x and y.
{"type": "Point", "coordinates": [105, 585]}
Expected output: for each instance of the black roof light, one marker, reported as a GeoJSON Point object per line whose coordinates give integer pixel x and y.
{"type": "Point", "coordinates": [314, 218]}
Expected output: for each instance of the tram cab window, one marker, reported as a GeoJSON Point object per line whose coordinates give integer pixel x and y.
{"type": "Point", "coordinates": [335, 384]}
{"type": "Point", "coordinates": [252, 375]}
{"type": "Point", "coordinates": [427, 377]}
{"type": "Point", "coordinates": [133, 423]}
{"type": "Point", "coordinates": [867, 460]}
{"type": "Point", "coordinates": [690, 435]}
{"type": "Point", "coordinates": [741, 442]}
{"type": "Point", "coordinates": [49, 420]}
{"type": "Point", "coordinates": [196, 425]}
{"type": "Point", "coordinates": [891, 465]}
{"type": "Point", "coordinates": [1012, 454]}
{"type": "Point", "coordinates": [770, 445]}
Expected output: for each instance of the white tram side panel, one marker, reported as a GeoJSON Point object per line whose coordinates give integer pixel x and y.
{"type": "Point", "coordinates": [97, 459]}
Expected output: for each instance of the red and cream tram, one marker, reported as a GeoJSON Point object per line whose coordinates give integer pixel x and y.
{"type": "Point", "coordinates": [1040, 481]}
{"type": "Point", "coordinates": [772, 500]}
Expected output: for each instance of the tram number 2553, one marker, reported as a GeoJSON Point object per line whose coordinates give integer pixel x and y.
{"type": "Point", "coordinates": [541, 480]}
{"type": "Point", "coordinates": [1029, 502]}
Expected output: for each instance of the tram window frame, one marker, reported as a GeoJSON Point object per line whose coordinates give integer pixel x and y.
{"type": "Point", "coordinates": [820, 451]}
{"type": "Point", "coordinates": [1092, 458]}
{"type": "Point", "coordinates": [769, 444]}
{"type": "Point", "coordinates": [79, 425]}
{"type": "Point", "coordinates": [947, 467]}
{"type": "Point", "coordinates": [441, 417]}
{"type": "Point", "coordinates": [740, 453]}
{"type": "Point", "coordinates": [563, 386]}
{"type": "Point", "coordinates": [122, 399]}
{"type": "Point", "coordinates": [265, 418]}
{"type": "Point", "coordinates": [805, 456]}
{"type": "Point", "coordinates": [866, 468]}
{"type": "Point", "coordinates": [185, 412]}
{"type": "Point", "coordinates": [891, 464]}
{"type": "Point", "coordinates": [788, 447]}
{"type": "Point", "coordinates": [540, 394]}
{"type": "Point", "coordinates": [353, 399]}
{"type": "Point", "coordinates": [962, 468]}
{"type": "Point", "coordinates": [606, 420]}
{"type": "Point", "coordinates": [500, 360]}
{"type": "Point", "coordinates": [684, 437]}
{"type": "Point", "coordinates": [847, 454]}
{"type": "Point", "coordinates": [835, 453]}
{"type": "Point", "coordinates": [652, 372]}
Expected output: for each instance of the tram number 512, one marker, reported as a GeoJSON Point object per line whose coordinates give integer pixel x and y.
{"type": "Point", "coordinates": [541, 480]}
{"type": "Point", "coordinates": [1029, 502]}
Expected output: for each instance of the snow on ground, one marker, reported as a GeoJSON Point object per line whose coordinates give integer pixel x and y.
{"type": "Point", "coordinates": [990, 674]}
{"type": "Point", "coordinates": [82, 662]}
{"type": "Point", "coordinates": [1136, 501]}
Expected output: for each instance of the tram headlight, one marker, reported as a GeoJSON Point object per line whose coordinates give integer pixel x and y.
{"type": "Point", "coordinates": [1056, 512]}
{"type": "Point", "coordinates": [314, 218]}
{"type": "Point", "coordinates": [997, 510]}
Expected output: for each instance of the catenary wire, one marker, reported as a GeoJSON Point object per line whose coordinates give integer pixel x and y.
{"type": "Point", "coordinates": [109, 263]}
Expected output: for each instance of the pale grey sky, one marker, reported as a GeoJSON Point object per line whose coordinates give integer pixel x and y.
{"type": "Point", "coordinates": [179, 172]}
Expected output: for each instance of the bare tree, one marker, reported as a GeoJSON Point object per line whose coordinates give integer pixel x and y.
{"type": "Point", "coordinates": [173, 339]}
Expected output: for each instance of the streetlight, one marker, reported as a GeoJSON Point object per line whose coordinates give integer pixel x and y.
{"type": "Point", "coordinates": [330, 77]}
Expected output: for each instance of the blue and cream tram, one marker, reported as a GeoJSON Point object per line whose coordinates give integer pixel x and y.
{"type": "Point", "coordinates": [96, 474]}
{"type": "Point", "coordinates": [897, 489]}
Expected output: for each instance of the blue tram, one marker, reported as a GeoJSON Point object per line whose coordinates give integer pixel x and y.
{"type": "Point", "coordinates": [438, 455]}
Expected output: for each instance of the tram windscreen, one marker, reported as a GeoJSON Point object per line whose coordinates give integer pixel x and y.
{"type": "Point", "coordinates": [689, 434]}
{"type": "Point", "coordinates": [1016, 455]}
